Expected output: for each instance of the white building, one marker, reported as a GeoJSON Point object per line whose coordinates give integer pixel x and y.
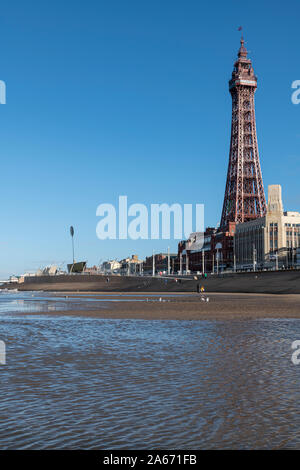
{"type": "Point", "coordinates": [270, 241]}
{"type": "Point", "coordinates": [111, 266]}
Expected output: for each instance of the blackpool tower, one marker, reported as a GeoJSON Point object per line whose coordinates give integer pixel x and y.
{"type": "Point", "coordinates": [244, 194]}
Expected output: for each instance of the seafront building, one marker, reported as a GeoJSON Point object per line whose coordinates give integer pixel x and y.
{"type": "Point", "coordinates": [269, 241]}
{"type": "Point", "coordinates": [111, 266]}
{"type": "Point", "coordinates": [131, 265]}
{"type": "Point", "coordinates": [160, 263]}
{"type": "Point", "coordinates": [214, 255]}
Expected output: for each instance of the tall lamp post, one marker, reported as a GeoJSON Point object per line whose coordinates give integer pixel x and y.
{"type": "Point", "coordinates": [153, 264]}
{"type": "Point", "coordinates": [254, 258]}
{"type": "Point", "coordinates": [72, 236]}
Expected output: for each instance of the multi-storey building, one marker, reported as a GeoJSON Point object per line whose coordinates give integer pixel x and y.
{"type": "Point", "coordinates": [272, 240]}
{"type": "Point", "coordinates": [159, 262]}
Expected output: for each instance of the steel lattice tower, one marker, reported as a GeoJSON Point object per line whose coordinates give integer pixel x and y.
{"type": "Point", "coordinates": [244, 194]}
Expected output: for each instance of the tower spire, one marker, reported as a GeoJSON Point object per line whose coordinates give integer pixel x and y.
{"type": "Point", "coordinates": [242, 50]}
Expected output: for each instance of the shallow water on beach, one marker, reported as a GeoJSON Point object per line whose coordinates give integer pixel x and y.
{"type": "Point", "coordinates": [24, 302]}
{"type": "Point", "coordinates": [76, 382]}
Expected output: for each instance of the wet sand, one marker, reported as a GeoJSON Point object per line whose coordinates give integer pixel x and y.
{"type": "Point", "coordinates": [180, 306]}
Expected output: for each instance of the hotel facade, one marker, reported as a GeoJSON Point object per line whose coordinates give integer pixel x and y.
{"type": "Point", "coordinates": [269, 241]}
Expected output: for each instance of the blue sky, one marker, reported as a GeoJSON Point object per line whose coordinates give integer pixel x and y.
{"type": "Point", "coordinates": [106, 98]}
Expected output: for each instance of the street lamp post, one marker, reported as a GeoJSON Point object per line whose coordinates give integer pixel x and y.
{"type": "Point", "coordinates": [72, 236]}
{"type": "Point", "coordinates": [153, 264]}
{"type": "Point", "coordinates": [234, 255]}
{"type": "Point", "coordinates": [254, 258]}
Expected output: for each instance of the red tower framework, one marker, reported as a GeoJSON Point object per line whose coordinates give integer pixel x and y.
{"type": "Point", "coordinates": [244, 194]}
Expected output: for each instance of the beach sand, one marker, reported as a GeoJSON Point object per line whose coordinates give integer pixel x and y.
{"type": "Point", "coordinates": [181, 306]}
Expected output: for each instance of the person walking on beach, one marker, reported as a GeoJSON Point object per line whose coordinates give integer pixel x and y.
{"type": "Point", "coordinates": [201, 291]}
{"type": "Point", "coordinates": [203, 297]}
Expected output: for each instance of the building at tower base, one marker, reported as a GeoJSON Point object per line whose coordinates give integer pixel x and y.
{"type": "Point", "coordinates": [211, 251]}
{"type": "Point", "coordinates": [272, 241]}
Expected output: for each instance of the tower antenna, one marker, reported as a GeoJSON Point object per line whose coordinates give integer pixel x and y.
{"type": "Point", "coordinates": [240, 28]}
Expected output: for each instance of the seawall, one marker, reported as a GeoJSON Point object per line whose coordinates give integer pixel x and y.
{"type": "Point", "coordinates": [281, 282]}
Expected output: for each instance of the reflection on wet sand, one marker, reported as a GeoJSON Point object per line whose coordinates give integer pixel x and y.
{"type": "Point", "coordinates": [149, 306]}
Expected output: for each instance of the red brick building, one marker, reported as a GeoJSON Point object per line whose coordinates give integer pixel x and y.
{"type": "Point", "coordinates": [208, 252]}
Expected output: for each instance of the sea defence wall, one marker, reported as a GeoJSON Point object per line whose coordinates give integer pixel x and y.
{"type": "Point", "coordinates": [272, 282]}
